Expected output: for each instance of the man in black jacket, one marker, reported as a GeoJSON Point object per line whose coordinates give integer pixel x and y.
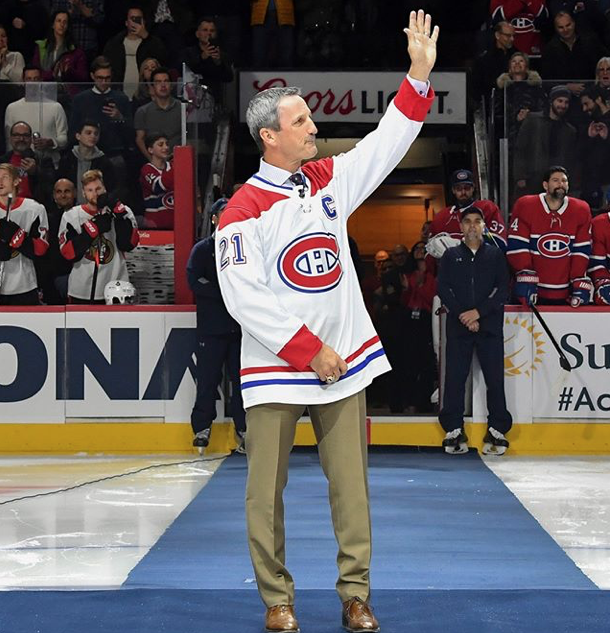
{"type": "Point", "coordinates": [218, 341]}
{"type": "Point", "coordinates": [129, 48]}
{"type": "Point", "coordinates": [473, 286]}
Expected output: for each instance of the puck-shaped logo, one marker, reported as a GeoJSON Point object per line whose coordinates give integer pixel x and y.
{"type": "Point", "coordinates": [311, 263]}
{"type": "Point", "coordinates": [553, 245]}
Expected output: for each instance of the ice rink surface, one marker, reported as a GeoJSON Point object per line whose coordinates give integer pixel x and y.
{"type": "Point", "coordinates": [93, 536]}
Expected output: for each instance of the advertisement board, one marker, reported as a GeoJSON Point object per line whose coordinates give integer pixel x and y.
{"type": "Point", "coordinates": [359, 96]}
{"type": "Point", "coordinates": [537, 388]}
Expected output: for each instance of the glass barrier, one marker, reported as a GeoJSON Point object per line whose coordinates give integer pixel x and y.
{"type": "Point", "coordinates": [549, 123]}
{"type": "Point", "coordinates": [60, 130]}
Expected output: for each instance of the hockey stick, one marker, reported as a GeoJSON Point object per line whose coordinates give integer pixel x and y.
{"type": "Point", "coordinates": [97, 244]}
{"type": "Point", "coordinates": [8, 210]}
{"type": "Point", "coordinates": [563, 361]}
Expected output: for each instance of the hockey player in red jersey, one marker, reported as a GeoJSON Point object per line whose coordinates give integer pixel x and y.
{"type": "Point", "coordinates": [549, 244]}
{"type": "Point", "coordinates": [526, 16]}
{"type": "Point", "coordinates": [23, 237]}
{"type": "Point", "coordinates": [599, 264]}
{"type": "Point", "coordinates": [447, 221]}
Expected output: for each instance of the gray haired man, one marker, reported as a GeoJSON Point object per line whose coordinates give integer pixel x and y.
{"type": "Point", "coordinates": [286, 276]}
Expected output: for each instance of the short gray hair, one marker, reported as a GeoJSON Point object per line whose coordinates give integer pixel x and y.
{"type": "Point", "coordinates": [263, 111]}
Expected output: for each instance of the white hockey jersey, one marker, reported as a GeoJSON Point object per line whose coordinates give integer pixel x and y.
{"type": "Point", "coordinates": [112, 264]}
{"type": "Point", "coordinates": [18, 273]}
{"type": "Point", "coordinates": [285, 269]}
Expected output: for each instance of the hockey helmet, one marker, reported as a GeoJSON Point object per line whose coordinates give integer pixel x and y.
{"type": "Point", "coordinates": [119, 292]}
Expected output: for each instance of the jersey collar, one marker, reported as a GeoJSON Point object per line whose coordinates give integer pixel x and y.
{"type": "Point", "coordinates": [275, 176]}
{"type": "Point", "coordinates": [561, 209]}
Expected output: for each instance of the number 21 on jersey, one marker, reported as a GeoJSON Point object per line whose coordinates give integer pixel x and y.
{"type": "Point", "coordinates": [238, 250]}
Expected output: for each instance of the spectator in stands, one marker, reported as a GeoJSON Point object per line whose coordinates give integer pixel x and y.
{"type": "Point", "coordinates": [426, 227]}
{"type": "Point", "coordinates": [272, 25]}
{"type": "Point", "coordinates": [84, 156]}
{"type": "Point", "coordinates": [544, 139]}
{"type": "Point", "coordinates": [473, 286]}
{"type": "Point", "coordinates": [599, 263]}
{"type": "Point", "coordinates": [529, 17]}
{"type": "Point", "coordinates": [162, 114]}
{"type": "Point", "coordinates": [130, 47]}
{"type": "Point", "coordinates": [32, 169]}
{"type": "Point", "coordinates": [602, 76]}
{"type": "Point", "coordinates": [170, 21]}
{"type": "Point", "coordinates": [571, 55]}
{"type": "Point", "coordinates": [46, 118]}
{"type": "Point", "coordinates": [57, 55]}
{"type": "Point", "coordinates": [587, 14]}
{"type": "Point", "coordinates": [23, 238]}
{"type": "Point", "coordinates": [219, 341]}
{"type": "Point", "coordinates": [108, 107]}
{"type": "Point", "coordinates": [208, 59]}
{"type": "Point", "coordinates": [523, 92]}
{"type": "Point", "coordinates": [372, 282]}
{"type": "Point", "coordinates": [86, 16]}
{"type": "Point", "coordinates": [11, 62]}
{"type": "Point", "coordinates": [401, 258]}
{"type": "Point", "coordinates": [594, 146]}
{"type": "Point", "coordinates": [26, 22]}
{"type": "Point", "coordinates": [549, 245]}
{"type": "Point", "coordinates": [447, 221]}
{"type": "Point", "coordinates": [157, 182]}
{"type": "Point", "coordinates": [231, 16]}
{"type": "Point", "coordinates": [418, 290]}
{"type": "Point", "coordinates": [95, 236]}
{"type": "Point", "coordinates": [494, 61]}
{"type": "Point", "coordinates": [144, 92]}
{"type": "Point", "coordinates": [52, 269]}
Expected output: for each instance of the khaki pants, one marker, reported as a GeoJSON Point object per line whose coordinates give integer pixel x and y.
{"type": "Point", "coordinates": [340, 429]}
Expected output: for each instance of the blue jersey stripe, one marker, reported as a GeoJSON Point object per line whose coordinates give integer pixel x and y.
{"type": "Point", "coordinates": [313, 381]}
{"type": "Point", "coordinates": [271, 183]}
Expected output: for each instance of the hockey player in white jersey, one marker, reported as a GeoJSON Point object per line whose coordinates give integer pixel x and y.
{"type": "Point", "coordinates": [23, 238]}
{"type": "Point", "coordinates": [286, 276]}
{"type": "Point", "coordinates": [95, 236]}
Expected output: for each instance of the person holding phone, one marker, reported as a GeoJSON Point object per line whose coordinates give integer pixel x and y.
{"type": "Point", "coordinates": [207, 58]}
{"type": "Point", "coordinates": [130, 47]}
{"type": "Point", "coordinates": [108, 107]}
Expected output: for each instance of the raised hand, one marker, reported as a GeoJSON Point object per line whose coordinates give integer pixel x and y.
{"type": "Point", "coordinates": [422, 44]}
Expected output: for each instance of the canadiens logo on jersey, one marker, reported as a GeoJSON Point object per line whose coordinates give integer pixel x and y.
{"type": "Point", "coordinates": [553, 245]}
{"type": "Point", "coordinates": [311, 263]}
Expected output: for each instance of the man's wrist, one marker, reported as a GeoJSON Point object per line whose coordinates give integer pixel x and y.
{"type": "Point", "coordinates": [419, 72]}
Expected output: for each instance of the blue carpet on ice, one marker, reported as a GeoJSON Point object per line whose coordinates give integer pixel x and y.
{"type": "Point", "coordinates": [208, 611]}
{"type": "Point", "coordinates": [439, 522]}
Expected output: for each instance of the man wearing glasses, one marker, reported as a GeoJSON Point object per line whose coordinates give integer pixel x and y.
{"type": "Point", "coordinates": [106, 106]}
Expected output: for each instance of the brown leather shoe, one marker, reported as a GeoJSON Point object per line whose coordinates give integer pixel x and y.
{"type": "Point", "coordinates": [358, 617]}
{"type": "Point", "coordinates": [281, 619]}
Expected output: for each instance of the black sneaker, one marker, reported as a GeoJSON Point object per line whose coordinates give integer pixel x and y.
{"type": "Point", "coordinates": [455, 442]}
{"type": "Point", "coordinates": [494, 442]}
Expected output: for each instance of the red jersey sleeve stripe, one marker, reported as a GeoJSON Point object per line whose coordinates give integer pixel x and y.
{"type": "Point", "coordinates": [300, 349]}
{"type": "Point", "coordinates": [413, 105]}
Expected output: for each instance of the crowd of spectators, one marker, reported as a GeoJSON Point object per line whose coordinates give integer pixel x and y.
{"type": "Point", "coordinates": [549, 66]}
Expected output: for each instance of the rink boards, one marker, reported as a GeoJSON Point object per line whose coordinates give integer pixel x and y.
{"type": "Point", "coordinates": [121, 379]}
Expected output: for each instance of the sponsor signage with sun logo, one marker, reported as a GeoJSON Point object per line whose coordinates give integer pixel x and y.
{"type": "Point", "coordinates": [519, 357]}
